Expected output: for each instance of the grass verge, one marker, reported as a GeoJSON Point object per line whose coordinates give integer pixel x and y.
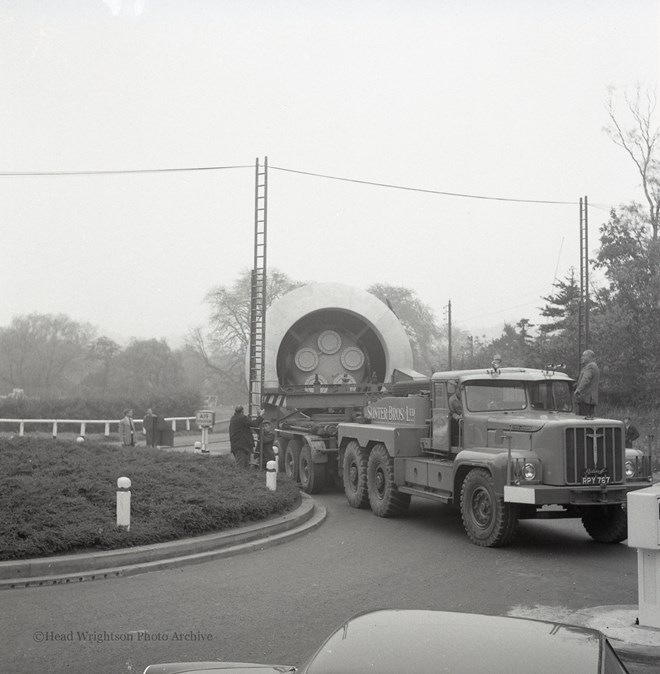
{"type": "Point", "coordinates": [59, 497]}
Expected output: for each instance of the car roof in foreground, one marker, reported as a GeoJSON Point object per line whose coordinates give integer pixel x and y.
{"type": "Point", "coordinates": [216, 667]}
{"type": "Point", "coordinates": [395, 641]}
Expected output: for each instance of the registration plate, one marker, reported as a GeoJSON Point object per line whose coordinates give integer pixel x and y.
{"type": "Point", "coordinates": [595, 477]}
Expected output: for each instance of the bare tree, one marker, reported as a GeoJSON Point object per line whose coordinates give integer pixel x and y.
{"type": "Point", "coordinates": [223, 347]}
{"type": "Point", "coordinates": [639, 137]}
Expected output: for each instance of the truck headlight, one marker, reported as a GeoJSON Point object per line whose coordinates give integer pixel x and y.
{"type": "Point", "coordinates": [630, 469]}
{"type": "Point", "coordinates": [529, 472]}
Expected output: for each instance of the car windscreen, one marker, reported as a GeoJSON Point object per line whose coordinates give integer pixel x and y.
{"type": "Point", "coordinates": [551, 395]}
{"type": "Point", "coordinates": [495, 396]}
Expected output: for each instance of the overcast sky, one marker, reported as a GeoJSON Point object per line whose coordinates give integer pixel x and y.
{"type": "Point", "coordinates": [502, 99]}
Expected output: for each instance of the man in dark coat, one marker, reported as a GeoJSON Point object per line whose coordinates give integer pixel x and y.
{"type": "Point", "coordinates": [267, 438]}
{"type": "Point", "coordinates": [586, 389]}
{"type": "Point", "coordinates": [149, 427]}
{"type": "Point", "coordinates": [631, 432]}
{"type": "Point", "coordinates": [241, 439]}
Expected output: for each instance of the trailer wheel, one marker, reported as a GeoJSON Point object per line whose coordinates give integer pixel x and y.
{"type": "Point", "coordinates": [355, 475]}
{"type": "Point", "coordinates": [384, 497]}
{"type": "Point", "coordinates": [606, 523]}
{"type": "Point", "coordinates": [488, 520]}
{"type": "Point", "coordinates": [312, 475]}
{"type": "Point", "coordinates": [292, 459]}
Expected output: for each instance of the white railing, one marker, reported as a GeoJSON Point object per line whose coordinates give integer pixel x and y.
{"type": "Point", "coordinates": [54, 423]}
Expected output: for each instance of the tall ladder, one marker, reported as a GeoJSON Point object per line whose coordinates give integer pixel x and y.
{"type": "Point", "coordinates": [258, 288]}
{"type": "Point", "coordinates": [583, 306]}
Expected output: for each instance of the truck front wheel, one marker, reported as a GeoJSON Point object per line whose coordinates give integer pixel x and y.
{"type": "Point", "coordinates": [355, 475]}
{"type": "Point", "coordinates": [606, 523]}
{"type": "Point", "coordinates": [488, 520]}
{"type": "Point", "coordinates": [384, 498]}
{"type": "Point", "coordinates": [312, 475]}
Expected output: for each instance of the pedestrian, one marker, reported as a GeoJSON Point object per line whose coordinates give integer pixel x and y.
{"type": "Point", "coordinates": [149, 427]}
{"type": "Point", "coordinates": [631, 432]}
{"type": "Point", "coordinates": [127, 429]}
{"type": "Point", "coordinates": [586, 388]}
{"type": "Point", "coordinates": [241, 440]}
{"type": "Point", "coordinates": [267, 438]}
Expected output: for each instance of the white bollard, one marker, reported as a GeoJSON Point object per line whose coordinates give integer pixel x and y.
{"type": "Point", "coordinates": [271, 475]}
{"type": "Point", "coordinates": [124, 503]}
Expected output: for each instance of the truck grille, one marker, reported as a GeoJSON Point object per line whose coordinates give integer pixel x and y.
{"type": "Point", "coordinates": [594, 448]}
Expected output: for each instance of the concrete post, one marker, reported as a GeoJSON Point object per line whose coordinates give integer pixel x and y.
{"type": "Point", "coordinates": [124, 503]}
{"type": "Point", "coordinates": [271, 475]}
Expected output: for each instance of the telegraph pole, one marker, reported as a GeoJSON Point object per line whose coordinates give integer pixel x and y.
{"type": "Point", "coordinates": [583, 304]}
{"type": "Point", "coordinates": [449, 335]}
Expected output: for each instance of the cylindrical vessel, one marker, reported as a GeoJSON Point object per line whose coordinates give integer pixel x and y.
{"type": "Point", "coordinates": [325, 334]}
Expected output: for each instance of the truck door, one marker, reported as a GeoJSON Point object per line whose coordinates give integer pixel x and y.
{"type": "Point", "coordinates": [440, 418]}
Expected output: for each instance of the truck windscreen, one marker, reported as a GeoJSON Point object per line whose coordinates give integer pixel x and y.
{"type": "Point", "coordinates": [551, 395]}
{"type": "Point", "coordinates": [499, 396]}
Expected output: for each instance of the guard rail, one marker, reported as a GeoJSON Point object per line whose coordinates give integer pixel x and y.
{"type": "Point", "coordinates": [84, 423]}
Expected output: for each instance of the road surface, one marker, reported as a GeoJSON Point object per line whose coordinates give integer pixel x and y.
{"type": "Point", "coordinates": [278, 604]}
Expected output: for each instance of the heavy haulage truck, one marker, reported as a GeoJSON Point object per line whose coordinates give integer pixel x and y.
{"type": "Point", "coordinates": [350, 411]}
{"type": "Point", "coordinates": [517, 452]}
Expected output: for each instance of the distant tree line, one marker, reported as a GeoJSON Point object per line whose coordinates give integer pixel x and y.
{"type": "Point", "coordinates": [53, 366]}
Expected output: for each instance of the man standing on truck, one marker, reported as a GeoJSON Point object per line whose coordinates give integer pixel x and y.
{"type": "Point", "coordinates": [586, 389]}
{"type": "Point", "coordinates": [241, 439]}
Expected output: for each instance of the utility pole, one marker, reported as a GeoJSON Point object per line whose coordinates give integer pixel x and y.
{"type": "Point", "coordinates": [583, 304]}
{"type": "Point", "coordinates": [449, 366]}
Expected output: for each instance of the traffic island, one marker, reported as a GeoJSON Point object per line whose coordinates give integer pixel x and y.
{"type": "Point", "coordinates": [81, 567]}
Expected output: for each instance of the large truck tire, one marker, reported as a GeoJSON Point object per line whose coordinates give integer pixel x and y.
{"type": "Point", "coordinates": [310, 474]}
{"type": "Point", "coordinates": [488, 520]}
{"type": "Point", "coordinates": [384, 497]}
{"type": "Point", "coordinates": [292, 459]}
{"type": "Point", "coordinates": [355, 475]}
{"type": "Point", "coordinates": [606, 523]}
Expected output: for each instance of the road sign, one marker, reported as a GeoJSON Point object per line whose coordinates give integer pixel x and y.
{"type": "Point", "coordinates": [205, 418]}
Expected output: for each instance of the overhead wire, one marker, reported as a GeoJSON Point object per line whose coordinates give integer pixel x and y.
{"type": "Point", "coordinates": [183, 169]}
{"type": "Point", "coordinates": [23, 174]}
{"type": "Point", "coordinates": [420, 189]}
